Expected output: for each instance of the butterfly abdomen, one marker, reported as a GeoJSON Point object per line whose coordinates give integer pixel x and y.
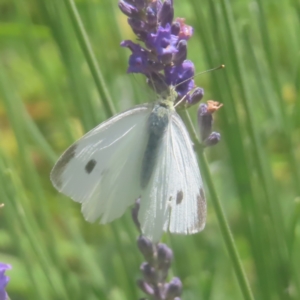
{"type": "Point", "coordinates": [156, 128]}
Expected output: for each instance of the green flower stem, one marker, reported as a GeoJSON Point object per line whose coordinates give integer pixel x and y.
{"type": "Point", "coordinates": [90, 57]}
{"type": "Point", "coordinates": [225, 230]}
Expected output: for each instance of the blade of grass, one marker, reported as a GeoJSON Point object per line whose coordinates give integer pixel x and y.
{"type": "Point", "coordinates": [90, 57]}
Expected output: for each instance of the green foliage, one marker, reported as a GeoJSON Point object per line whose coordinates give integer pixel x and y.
{"type": "Point", "coordinates": [54, 87]}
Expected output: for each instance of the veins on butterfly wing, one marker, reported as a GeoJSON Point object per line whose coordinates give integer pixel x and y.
{"type": "Point", "coordinates": [119, 138]}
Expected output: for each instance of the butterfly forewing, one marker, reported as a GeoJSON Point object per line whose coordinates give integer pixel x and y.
{"type": "Point", "coordinates": [101, 170]}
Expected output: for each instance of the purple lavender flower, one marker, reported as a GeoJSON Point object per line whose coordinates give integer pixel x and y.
{"type": "Point", "coordinates": [3, 280]}
{"type": "Point", "coordinates": [166, 13]}
{"type": "Point", "coordinates": [128, 9]}
{"type": "Point", "coordinates": [141, 60]}
{"type": "Point", "coordinates": [163, 42]}
{"type": "Point", "coordinates": [163, 59]}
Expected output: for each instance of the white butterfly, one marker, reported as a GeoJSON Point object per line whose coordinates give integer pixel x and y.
{"type": "Point", "coordinates": [143, 152]}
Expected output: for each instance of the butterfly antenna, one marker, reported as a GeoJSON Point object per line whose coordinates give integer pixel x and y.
{"type": "Point", "coordinates": [192, 90]}
{"type": "Point", "coordinates": [210, 70]}
{"type": "Point", "coordinates": [152, 82]}
{"type": "Point", "coordinates": [183, 98]}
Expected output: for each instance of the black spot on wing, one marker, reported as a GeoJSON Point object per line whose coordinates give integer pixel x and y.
{"type": "Point", "coordinates": [89, 167]}
{"type": "Point", "coordinates": [179, 197]}
{"type": "Point", "coordinates": [61, 165]}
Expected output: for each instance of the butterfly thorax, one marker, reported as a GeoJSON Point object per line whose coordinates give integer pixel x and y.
{"type": "Point", "coordinates": [168, 98]}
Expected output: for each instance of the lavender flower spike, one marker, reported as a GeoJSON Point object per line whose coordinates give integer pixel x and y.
{"type": "Point", "coordinates": [156, 267]}
{"type": "Point", "coordinates": [155, 272]}
{"type": "Point", "coordinates": [162, 59]}
{"type": "Point", "coordinates": [3, 280]}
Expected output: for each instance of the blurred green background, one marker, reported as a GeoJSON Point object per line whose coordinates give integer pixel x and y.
{"type": "Point", "coordinates": [48, 98]}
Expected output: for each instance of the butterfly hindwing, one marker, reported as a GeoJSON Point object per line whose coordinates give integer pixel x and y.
{"type": "Point", "coordinates": [188, 212]}
{"type": "Point", "coordinates": [174, 199]}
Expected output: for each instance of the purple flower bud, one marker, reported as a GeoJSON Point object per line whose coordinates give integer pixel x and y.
{"type": "Point", "coordinates": [164, 255]}
{"type": "Point", "coordinates": [175, 28]}
{"type": "Point", "coordinates": [180, 56]}
{"type": "Point", "coordinates": [146, 247]}
{"type": "Point", "coordinates": [159, 4]}
{"type": "Point", "coordinates": [139, 27]}
{"type": "Point", "coordinates": [151, 16]}
{"type": "Point", "coordinates": [148, 272]}
{"type": "Point", "coordinates": [166, 13]}
{"type": "Point", "coordinates": [213, 139]}
{"type": "Point", "coordinates": [3, 280]}
{"type": "Point", "coordinates": [174, 289]}
{"type": "Point", "coordinates": [145, 287]}
{"type": "Point", "coordinates": [205, 119]}
{"type": "Point", "coordinates": [196, 96]}
{"type": "Point", "coordinates": [127, 9]}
